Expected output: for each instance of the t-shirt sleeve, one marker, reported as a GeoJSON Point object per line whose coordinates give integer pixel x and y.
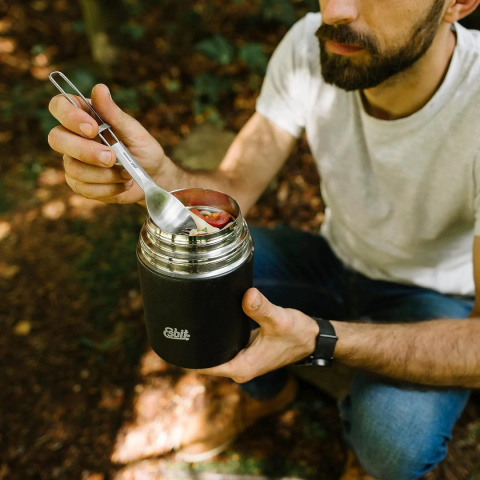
{"type": "Point", "coordinates": [282, 97]}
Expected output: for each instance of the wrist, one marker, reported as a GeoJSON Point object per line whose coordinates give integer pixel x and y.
{"type": "Point", "coordinates": [325, 342]}
{"type": "Point", "coordinates": [160, 174]}
{"type": "Point", "coordinates": [169, 175]}
{"type": "Point", "coordinates": [311, 335]}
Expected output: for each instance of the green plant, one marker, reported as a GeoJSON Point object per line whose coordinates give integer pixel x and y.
{"type": "Point", "coordinates": [217, 48]}
{"type": "Point", "coordinates": [133, 30]}
{"type": "Point", "coordinates": [254, 57]}
{"type": "Point", "coordinates": [208, 88]}
{"type": "Point", "coordinates": [27, 103]}
{"type": "Point", "coordinates": [99, 349]}
{"type": "Point", "coordinates": [83, 78]}
{"type": "Point", "coordinates": [107, 269]}
{"type": "Point", "coordinates": [127, 98]}
{"type": "Point", "coordinates": [31, 170]}
{"type": "Point", "coordinates": [280, 11]}
{"type": "Point", "coordinates": [133, 8]}
{"type": "Point", "coordinates": [473, 435]}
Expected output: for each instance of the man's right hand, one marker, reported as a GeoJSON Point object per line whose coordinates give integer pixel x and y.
{"type": "Point", "coordinates": [89, 165]}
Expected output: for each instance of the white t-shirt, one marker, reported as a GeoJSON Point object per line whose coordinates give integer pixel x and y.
{"type": "Point", "coordinates": [402, 196]}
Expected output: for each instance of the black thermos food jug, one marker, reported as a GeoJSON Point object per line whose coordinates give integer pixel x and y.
{"type": "Point", "coordinates": [192, 286]}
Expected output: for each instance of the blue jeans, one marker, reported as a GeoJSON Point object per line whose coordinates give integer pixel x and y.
{"type": "Point", "coordinates": [397, 430]}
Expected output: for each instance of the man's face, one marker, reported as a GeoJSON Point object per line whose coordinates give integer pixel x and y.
{"type": "Point", "coordinates": [357, 60]}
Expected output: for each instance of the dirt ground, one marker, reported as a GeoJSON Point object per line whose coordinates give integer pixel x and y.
{"type": "Point", "coordinates": [75, 368]}
{"type": "Point", "coordinates": [74, 358]}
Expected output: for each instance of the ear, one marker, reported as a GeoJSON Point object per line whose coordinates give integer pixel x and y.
{"type": "Point", "coordinates": [458, 9]}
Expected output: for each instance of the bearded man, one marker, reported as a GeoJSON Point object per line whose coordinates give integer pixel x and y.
{"type": "Point", "coordinates": [388, 94]}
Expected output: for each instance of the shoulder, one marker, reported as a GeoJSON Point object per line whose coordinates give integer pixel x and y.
{"type": "Point", "coordinates": [296, 58]}
{"type": "Point", "coordinates": [300, 40]}
{"type": "Point", "coordinates": [308, 24]}
{"type": "Point", "coordinates": [464, 70]}
{"type": "Point", "coordinates": [468, 39]}
{"type": "Point", "coordinates": [468, 49]}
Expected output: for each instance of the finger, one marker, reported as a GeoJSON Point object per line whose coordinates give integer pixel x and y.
{"type": "Point", "coordinates": [94, 153]}
{"type": "Point", "coordinates": [123, 124]}
{"type": "Point", "coordinates": [106, 192]}
{"type": "Point", "coordinates": [82, 172]}
{"type": "Point", "coordinates": [78, 120]}
{"type": "Point", "coordinates": [240, 369]}
{"type": "Point", "coordinates": [257, 307]}
{"type": "Point", "coordinates": [232, 369]}
{"type": "Point", "coordinates": [273, 320]}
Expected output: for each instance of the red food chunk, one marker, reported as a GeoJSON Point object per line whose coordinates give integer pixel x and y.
{"type": "Point", "coordinates": [216, 219]}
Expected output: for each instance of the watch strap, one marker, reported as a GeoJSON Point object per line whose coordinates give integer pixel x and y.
{"type": "Point", "coordinates": [325, 345]}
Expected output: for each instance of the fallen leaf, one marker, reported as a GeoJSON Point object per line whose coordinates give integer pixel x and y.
{"type": "Point", "coordinates": [23, 328]}
{"type": "Point", "coordinates": [5, 229]}
{"type": "Point", "coordinates": [8, 271]}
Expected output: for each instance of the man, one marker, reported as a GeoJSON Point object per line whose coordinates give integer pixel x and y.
{"type": "Point", "coordinates": [391, 115]}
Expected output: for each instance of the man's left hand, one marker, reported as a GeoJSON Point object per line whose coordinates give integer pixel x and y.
{"type": "Point", "coordinates": [285, 336]}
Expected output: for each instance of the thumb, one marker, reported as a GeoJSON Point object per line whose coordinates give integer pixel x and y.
{"type": "Point", "coordinates": [258, 308]}
{"type": "Point", "coordinates": [123, 124]}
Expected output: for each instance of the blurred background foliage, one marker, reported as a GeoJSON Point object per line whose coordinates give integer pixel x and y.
{"type": "Point", "coordinates": [148, 51]}
{"type": "Point", "coordinates": [170, 64]}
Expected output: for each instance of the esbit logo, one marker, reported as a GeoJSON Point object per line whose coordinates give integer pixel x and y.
{"type": "Point", "coordinates": [174, 334]}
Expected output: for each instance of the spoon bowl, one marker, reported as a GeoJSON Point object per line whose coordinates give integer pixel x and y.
{"type": "Point", "coordinates": [166, 211]}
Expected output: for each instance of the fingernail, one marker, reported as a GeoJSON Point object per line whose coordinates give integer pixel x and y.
{"type": "Point", "coordinates": [256, 302]}
{"type": "Point", "coordinates": [128, 184]}
{"type": "Point", "coordinates": [105, 158]}
{"type": "Point", "coordinates": [86, 129]}
{"type": "Point", "coordinates": [125, 174]}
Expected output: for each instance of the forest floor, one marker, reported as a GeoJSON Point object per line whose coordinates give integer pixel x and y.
{"type": "Point", "coordinates": [75, 366]}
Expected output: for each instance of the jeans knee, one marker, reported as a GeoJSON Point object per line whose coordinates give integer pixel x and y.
{"type": "Point", "coordinates": [400, 461]}
{"type": "Point", "coordinates": [399, 433]}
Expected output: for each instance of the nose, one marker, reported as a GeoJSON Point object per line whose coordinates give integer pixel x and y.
{"type": "Point", "coordinates": [338, 12]}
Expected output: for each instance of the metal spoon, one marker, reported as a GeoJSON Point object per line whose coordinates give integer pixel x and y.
{"type": "Point", "coordinates": [167, 212]}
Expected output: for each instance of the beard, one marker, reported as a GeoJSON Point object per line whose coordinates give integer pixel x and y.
{"type": "Point", "coordinates": [343, 72]}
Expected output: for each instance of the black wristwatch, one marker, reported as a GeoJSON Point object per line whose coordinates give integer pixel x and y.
{"type": "Point", "coordinates": [326, 340]}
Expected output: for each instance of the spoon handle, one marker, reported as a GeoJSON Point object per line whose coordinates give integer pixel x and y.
{"type": "Point", "coordinates": [132, 166]}
{"type": "Point", "coordinates": [123, 155]}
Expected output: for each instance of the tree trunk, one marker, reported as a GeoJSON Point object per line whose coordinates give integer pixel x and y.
{"type": "Point", "coordinates": [98, 24]}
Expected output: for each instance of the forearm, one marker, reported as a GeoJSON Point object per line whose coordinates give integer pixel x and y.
{"type": "Point", "coordinates": [437, 352]}
{"type": "Point", "coordinates": [255, 156]}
